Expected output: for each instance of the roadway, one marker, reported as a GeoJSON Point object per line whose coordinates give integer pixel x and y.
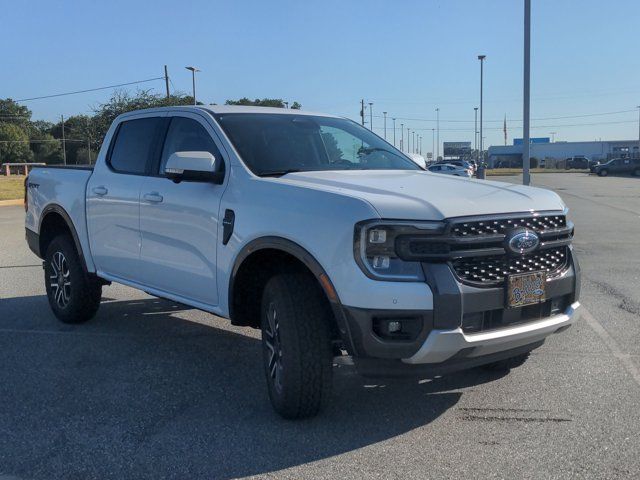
{"type": "Point", "coordinates": [152, 389]}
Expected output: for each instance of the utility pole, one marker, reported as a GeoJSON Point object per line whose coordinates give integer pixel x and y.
{"type": "Point", "coordinates": [371, 116]}
{"type": "Point", "coordinates": [438, 127]}
{"type": "Point", "coordinates": [88, 140]}
{"type": "Point", "coordinates": [408, 140]}
{"type": "Point", "coordinates": [475, 133]}
{"type": "Point", "coordinates": [526, 146]}
{"type": "Point", "coordinates": [414, 141]}
{"type": "Point", "coordinates": [193, 80]}
{"type": "Point", "coordinates": [362, 111]}
{"type": "Point", "coordinates": [481, 58]}
{"type": "Point", "coordinates": [166, 80]}
{"type": "Point", "coordinates": [64, 143]}
{"type": "Point", "coordinates": [394, 132]}
{"type": "Point", "coordinates": [401, 137]}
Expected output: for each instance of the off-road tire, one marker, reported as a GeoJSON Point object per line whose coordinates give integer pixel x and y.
{"type": "Point", "coordinates": [299, 372]}
{"type": "Point", "coordinates": [73, 294]}
{"type": "Point", "coordinates": [507, 364]}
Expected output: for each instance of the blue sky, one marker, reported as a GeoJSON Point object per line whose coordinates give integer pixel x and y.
{"type": "Point", "coordinates": [407, 57]}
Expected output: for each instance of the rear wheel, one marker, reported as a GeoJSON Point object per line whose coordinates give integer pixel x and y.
{"type": "Point", "coordinates": [74, 295]}
{"type": "Point", "coordinates": [507, 364]}
{"type": "Point", "coordinates": [636, 172]}
{"type": "Point", "coordinates": [603, 173]}
{"type": "Point", "coordinates": [296, 343]}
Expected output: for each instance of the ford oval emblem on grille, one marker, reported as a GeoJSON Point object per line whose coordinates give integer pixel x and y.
{"type": "Point", "coordinates": [523, 241]}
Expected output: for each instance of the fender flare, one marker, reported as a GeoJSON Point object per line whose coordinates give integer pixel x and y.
{"type": "Point", "coordinates": [300, 253]}
{"type": "Point", "coordinates": [57, 209]}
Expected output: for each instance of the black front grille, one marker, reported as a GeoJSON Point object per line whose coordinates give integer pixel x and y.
{"type": "Point", "coordinates": [502, 225]}
{"type": "Point", "coordinates": [492, 270]}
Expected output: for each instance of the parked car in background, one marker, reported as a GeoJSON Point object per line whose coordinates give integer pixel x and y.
{"type": "Point", "coordinates": [463, 164]}
{"type": "Point", "coordinates": [577, 162]}
{"type": "Point", "coordinates": [619, 166]}
{"type": "Point", "coordinates": [449, 169]}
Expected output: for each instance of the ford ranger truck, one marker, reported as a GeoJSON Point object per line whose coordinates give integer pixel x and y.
{"type": "Point", "coordinates": [316, 231]}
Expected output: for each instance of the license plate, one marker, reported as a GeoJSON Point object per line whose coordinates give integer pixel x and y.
{"type": "Point", "coordinates": [526, 289]}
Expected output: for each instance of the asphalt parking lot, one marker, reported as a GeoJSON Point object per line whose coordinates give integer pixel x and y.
{"type": "Point", "coordinates": [152, 389]}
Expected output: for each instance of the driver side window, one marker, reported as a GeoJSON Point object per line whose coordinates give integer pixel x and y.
{"type": "Point", "coordinates": [187, 135]}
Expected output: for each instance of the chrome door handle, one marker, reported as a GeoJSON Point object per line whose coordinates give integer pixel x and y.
{"type": "Point", "coordinates": [153, 197]}
{"type": "Point", "coordinates": [100, 190]}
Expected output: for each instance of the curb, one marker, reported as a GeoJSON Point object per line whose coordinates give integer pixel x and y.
{"type": "Point", "coordinates": [10, 203]}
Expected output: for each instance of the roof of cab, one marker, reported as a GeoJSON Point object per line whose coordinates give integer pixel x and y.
{"type": "Point", "coordinates": [222, 109]}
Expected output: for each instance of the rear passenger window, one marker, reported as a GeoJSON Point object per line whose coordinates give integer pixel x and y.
{"type": "Point", "coordinates": [134, 145]}
{"type": "Point", "coordinates": [187, 135]}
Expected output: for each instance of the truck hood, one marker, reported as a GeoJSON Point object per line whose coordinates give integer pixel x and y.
{"type": "Point", "coordinates": [419, 195]}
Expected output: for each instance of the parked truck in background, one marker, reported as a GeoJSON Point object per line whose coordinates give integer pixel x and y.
{"type": "Point", "coordinates": [314, 230]}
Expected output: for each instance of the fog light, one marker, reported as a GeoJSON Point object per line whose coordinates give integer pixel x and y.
{"type": "Point", "coordinates": [395, 327]}
{"type": "Point", "coordinates": [556, 306]}
{"type": "Point", "coordinates": [381, 261]}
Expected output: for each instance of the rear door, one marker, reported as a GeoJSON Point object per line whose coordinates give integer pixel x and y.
{"type": "Point", "coordinates": [113, 196]}
{"type": "Point", "coordinates": [179, 221]}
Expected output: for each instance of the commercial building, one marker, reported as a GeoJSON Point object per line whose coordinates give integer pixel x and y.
{"type": "Point", "coordinates": [555, 153]}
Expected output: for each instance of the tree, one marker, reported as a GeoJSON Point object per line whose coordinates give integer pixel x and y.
{"type": "Point", "coordinates": [265, 102]}
{"type": "Point", "coordinates": [296, 106]}
{"type": "Point", "coordinates": [46, 149]}
{"type": "Point", "coordinates": [12, 112]}
{"type": "Point", "coordinates": [14, 144]}
{"type": "Point", "coordinates": [122, 102]}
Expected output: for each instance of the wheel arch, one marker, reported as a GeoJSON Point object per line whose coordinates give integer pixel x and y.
{"type": "Point", "coordinates": [288, 249]}
{"type": "Point", "coordinates": [54, 220]}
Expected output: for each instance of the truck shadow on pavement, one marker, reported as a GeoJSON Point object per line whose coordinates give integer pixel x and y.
{"type": "Point", "coordinates": [140, 392]}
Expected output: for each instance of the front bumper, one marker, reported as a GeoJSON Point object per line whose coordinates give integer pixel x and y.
{"type": "Point", "coordinates": [441, 345]}
{"type": "Point", "coordinates": [461, 328]}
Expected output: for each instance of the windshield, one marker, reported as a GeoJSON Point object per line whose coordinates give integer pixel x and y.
{"type": "Point", "coordinates": [276, 144]}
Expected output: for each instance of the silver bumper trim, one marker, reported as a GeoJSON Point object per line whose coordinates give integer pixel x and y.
{"type": "Point", "coordinates": [441, 345]}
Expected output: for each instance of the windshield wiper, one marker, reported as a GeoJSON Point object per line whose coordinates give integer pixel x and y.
{"type": "Point", "coordinates": [278, 173]}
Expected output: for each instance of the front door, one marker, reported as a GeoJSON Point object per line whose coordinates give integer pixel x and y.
{"type": "Point", "coordinates": [113, 197]}
{"type": "Point", "coordinates": [179, 221]}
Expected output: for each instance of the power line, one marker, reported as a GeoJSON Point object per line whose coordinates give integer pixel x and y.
{"type": "Point", "coordinates": [90, 89]}
{"type": "Point", "coordinates": [515, 120]}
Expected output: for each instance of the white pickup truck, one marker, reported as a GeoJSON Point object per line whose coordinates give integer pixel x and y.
{"type": "Point", "coordinates": [315, 230]}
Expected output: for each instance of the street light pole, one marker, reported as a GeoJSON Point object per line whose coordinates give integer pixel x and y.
{"type": "Point", "coordinates": [433, 142]}
{"type": "Point", "coordinates": [526, 177]}
{"type": "Point", "coordinates": [371, 116]}
{"type": "Point", "coordinates": [638, 131]}
{"type": "Point", "coordinates": [385, 124]}
{"type": "Point", "coordinates": [481, 58]}
{"type": "Point", "coordinates": [193, 81]}
{"type": "Point", "coordinates": [475, 132]}
{"type": "Point", "coordinates": [438, 127]}
{"type": "Point", "coordinates": [394, 132]}
{"type": "Point", "coordinates": [401, 137]}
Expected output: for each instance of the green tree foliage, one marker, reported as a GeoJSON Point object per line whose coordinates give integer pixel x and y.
{"type": "Point", "coordinates": [264, 102]}
{"type": "Point", "coordinates": [14, 144]}
{"type": "Point", "coordinates": [24, 140]}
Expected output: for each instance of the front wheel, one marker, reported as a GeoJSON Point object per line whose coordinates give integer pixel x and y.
{"type": "Point", "coordinates": [603, 173]}
{"type": "Point", "coordinates": [74, 295]}
{"type": "Point", "coordinates": [296, 345]}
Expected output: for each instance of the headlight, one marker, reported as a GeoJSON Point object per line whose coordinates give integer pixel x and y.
{"type": "Point", "coordinates": [375, 248]}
